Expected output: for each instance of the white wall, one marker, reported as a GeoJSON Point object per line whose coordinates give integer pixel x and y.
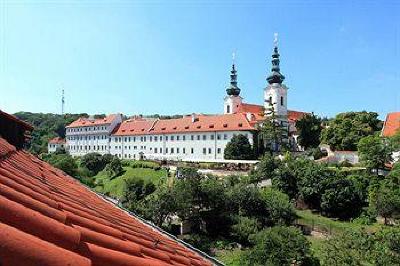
{"type": "Point", "coordinates": [275, 91]}
{"type": "Point", "coordinates": [233, 102]}
{"type": "Point", "coordinates": [174, 146]}
{"type": "Point", "coordinates": [51, 147]}
{"type": "Point", "coordinates": [87, 139]}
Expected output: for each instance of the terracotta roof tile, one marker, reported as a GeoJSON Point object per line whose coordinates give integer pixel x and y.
{"type": "Point", "coordinates": [57, 140]}
{"type": "Point", "coordinates": [83, 121]}
{"type": "Point", "coordinates": [49, 218]}
{"type": "Point", "coordinates": [189, 124]}
{"type": "Point", "coordinates": [392, 124]}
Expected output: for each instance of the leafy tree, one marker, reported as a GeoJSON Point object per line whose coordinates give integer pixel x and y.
{"type": "Point", "coordinates": [395, 141]}
{"type": "Point", "coordinates": [279, 209]}
{"type": "Point", "coordinates": [341, 199]}
{"type": "Point", "coordinates": [64, 162]}
{"type": "Point", "coordinates": [309, 129]}
{"type": "Point", "coordinates": [161, 206]}
{"type": "Point", "coordinates": [95, 162]}
{"type": "Point", "coordinates": [278, 246]}
{"type": "Point", "coordinates": [135, 192]}
{"type": "Point", "coordinates": [373, 152]}
{"type": "Point", "coordinates": [238, 148]}
{"type": "Point", "coordinates": [385, 200]}
{"type": "Point", "coordinates": [273, 135]}
{"type": "Point", "coordinates": [114, 168]}
{"type": "Point", "coordinates": [356, 248]}
{"type": "Point", "coordinates": [243, 228]}
{"type": "Point", "coordinates": [346, 129]}
{"type": "Point", "coordinates": [265, 169]}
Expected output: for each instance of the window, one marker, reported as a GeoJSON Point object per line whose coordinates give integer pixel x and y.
{"type": "Point", "coordinates": [155, 150]}
{"type": "Point", "coordinates": [151, 138]}
{"type": "Point", "coordinates": [172, 138]}
{"type": "Point", "coordinates": [192, 137]}
{"type": "Point", "coordinates": [209, 150]}
{"type": "Point", "coordinates": [281, 100]}
{"type": "Point", "coordinates": [270, 100]}
{"type": "Point", "coordinates": [219, 150]}
{"type": "Point", "coordinates": [177, 137]}
{"type": "Point", "coordinates": [228, 109]}
{"type": "Point", "coordinates": [198, 137]}
{"type": "Point", "coordinates": [204, 151]}
{"type": "Point", "coordinates": [204, 137]}
{"type": "Point", "coordinates": [166, 138]}
{"type": "Point", "coordinates": [184, 150]}
{"type": "Point", "coordinates": [183, 137]}
{"type": "Point", "coordinates": [166, 150]}
{"type": "Point", "coordinates": [160, 138]}
{"type": "Point", "coordinates": [172, 150]}
{"type": "Point", "coordinates": [218, 136]}
{"type": "Point", "coordinates": [191, 150]}
{"type": "Point", "coordinates": [177, 150]}
{"type": "Point", "coordinates": [160, 150]}
{"type": "Point", "coordinates": [225, 136]}
{"type": "Point", "coordinates": [212, 137]}
{"type": "Point", "coordinates": [155, 138]}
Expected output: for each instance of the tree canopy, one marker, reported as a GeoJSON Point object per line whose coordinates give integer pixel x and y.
{"type": "Point", "coordinates": [238, 148]}
{"type": "Point", "coordinates": [374, 152]}
{"type": "Point", "coordinates": [309, 129]}
{"type": "Point", "coordinates": [346, 129]}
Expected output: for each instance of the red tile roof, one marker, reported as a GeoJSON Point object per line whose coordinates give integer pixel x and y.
{"type": "Point", "coordinates": [48, 218]}
{"type": "Point", "coordinates": [202, 123]}
{"type": "Point", "coordinates": [257, 111]}
{"type": "Point", "coordinates": [83, 121]}
{"type": "Point", "coordinates": [57, 140]}
{"type": "Point", "coordinates": [392, 124]}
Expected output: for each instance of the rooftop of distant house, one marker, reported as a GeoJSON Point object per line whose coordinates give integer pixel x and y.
{"type": "Point", "coordinates": [391, 125]}
{"type": "Point", "coordinates": [91, 121]}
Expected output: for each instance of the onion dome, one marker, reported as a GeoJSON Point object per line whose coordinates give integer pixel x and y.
{"type": "Point", "coordinates": [233, 89]}
{"type": "Point", "coordinates": [275, 76]}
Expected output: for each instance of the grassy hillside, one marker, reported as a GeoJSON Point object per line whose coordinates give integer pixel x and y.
{"type": "Point", "coordinates": [114, 187]}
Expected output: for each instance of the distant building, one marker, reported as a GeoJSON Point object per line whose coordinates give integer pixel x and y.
{"type": "Point", "coordinates": [195, 137]}
{"type": "Point", "coordinates": [56, 143]}
{"type": "Point", "coordinates": [87, 135]}
{"type": "Point", "coordinates": [391, 127]}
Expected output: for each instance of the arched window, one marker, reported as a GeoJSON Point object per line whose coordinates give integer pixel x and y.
{"type": "Point", "coordinates": [228, 109]}
{"type": "Point", "coordinates": [282, 100]}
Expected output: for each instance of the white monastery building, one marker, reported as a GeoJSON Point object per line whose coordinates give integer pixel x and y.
{"type": "Point", "coordinates": [55, 144]}
{"type": "Point", "coordinates": [195, 137]}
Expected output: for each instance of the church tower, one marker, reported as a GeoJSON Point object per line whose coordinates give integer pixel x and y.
{"type": "Point", "coordinates": [232, 100]}
{"type": "Point", "coordinates": [275, 94]}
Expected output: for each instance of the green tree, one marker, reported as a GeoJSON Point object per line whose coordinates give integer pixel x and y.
{"type": "Point", "coordinates": [95, 162]}
{"type": "Point", "coordinates": [385, 200]}
{"type": "Point", "coordinates": [238, 148]}
{"type": "Point", "coordinates": [341, 199]}
{"type": "Point", "coordinates": [309, 129]}
{"type": "Point", "coordinates": [280, 210]}
{"type": "Point", "coordinates": [278, 246]}
{"type": "Point", "coordinates": [136, 190]}
{"type": "Point", "coordinates": [114, 168]}
{"type": "Point", "coordinates": [374, 152]}
{"type": "Point", "coordinates": [356, 248]}
{"type": "Point", "coordinates": [244, 228]}
{"type": "Point", "coordinates": [273, 134]}
{"type": "Point", "coordinates": [265, 169]}
{"type": "Point", "coordinates": [346, 129]}
{"type": "Point", "coordinates": [64, 162]}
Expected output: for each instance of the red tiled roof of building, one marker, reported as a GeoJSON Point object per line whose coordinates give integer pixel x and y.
{"type": "Point", "coordinates": [257, 111]}
{"type": "Point", "coordinates": [16, 119]}
{"type": "Point", "coordinates": [391, 125]}
{"type": "Point", "coordinates": [48, 218]}
{"type": "Point", "coordinates": [201, 123]}
{"type": "Point", "coordinates": [250, 108]}
{"type": "Point", "coordinates": [57, 140]}
{"type": "Point", "coordinates": [83, 121]}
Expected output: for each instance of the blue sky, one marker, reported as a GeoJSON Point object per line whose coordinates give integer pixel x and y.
{"type": "Point", "coordinates": [174, 57]}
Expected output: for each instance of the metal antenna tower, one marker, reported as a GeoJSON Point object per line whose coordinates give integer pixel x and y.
{"type": "Point", "coordinates": [62, 102]}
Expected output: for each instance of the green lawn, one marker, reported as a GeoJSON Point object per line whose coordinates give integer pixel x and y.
{"type": "Point", "coordinates": [326, 224]}
{"type": "Point", "coordinates": [115, 187]}
{"type": "Point", "coordinates": [229, 257]}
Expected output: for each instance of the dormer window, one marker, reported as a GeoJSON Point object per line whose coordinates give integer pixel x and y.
{"type": "Point", "coordinates": [225, 125]}
{"type": "Point", "coordinates": [240, 124]}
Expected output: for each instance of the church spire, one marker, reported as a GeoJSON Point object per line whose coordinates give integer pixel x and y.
{"type": "Point", "coordinates": [233, 89]}
{"type": "Point", "coordinates": [275, 76]}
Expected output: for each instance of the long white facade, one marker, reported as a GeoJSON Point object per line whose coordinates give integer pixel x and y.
{"type": "Point", "coordinates": [199, 146]}
{"type": "Point", "coordinates": [91, 135]}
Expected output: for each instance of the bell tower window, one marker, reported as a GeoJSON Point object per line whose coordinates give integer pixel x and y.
{"type": "Point", "coordinates": [282, 100]}
{"type": "Point", "coordinates": [228, 109]}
